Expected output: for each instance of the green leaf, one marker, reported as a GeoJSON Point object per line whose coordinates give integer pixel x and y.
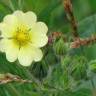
{"type": "Point", "coordinates": [87, 26]}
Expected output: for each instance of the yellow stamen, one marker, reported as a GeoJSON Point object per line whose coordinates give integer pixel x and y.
{"type": "Point", "coordinates": [22, 36]}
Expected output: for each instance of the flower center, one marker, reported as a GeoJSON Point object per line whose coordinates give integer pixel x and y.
{"type": "Point", "coordinates": [22, 36]}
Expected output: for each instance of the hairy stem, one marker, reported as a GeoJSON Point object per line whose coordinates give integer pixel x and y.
{"type": "Point", "coordinates": [70, 16]}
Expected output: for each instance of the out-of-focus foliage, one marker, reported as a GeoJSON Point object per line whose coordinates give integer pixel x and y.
{"type": "Point", "coordinates": [62, 71]}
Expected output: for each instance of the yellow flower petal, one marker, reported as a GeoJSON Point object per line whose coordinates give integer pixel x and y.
{"type": "Point", "coordinates": [28, 54]}
{"type": "Point", "coordinates": [37, 54]}
{"type": "Point", "coordinates": [5, 29]}
{"type": "Point", "coordinates": [10, 21]}
{"type": "Point", "coordinates": [8, 26]}
{"type": "Point", "coordinates": [39, 37]}
{"type": "Point", "coordinates": [25, 56]}
{"type": "Point", "coordinates": [40, 27]}
{"type": "Point", "coordinates": [28, 18]}
{"type": "Point", "coordinates": [11, 50]}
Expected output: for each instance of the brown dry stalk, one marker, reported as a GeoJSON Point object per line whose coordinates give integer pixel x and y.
{"type": "Point", "coordinates": [82, 42]}
{"type": "Point", "coordinates": [7, 78]}
{"type": "Point", "coordinates": [76, 43]}
{"type": "Point", "coordinates": [54, 35]}
{"type": "Point", "coordinates": [70, 16]}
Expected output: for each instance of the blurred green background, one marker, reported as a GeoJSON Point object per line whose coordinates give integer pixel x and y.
{"type": "Point", "coordinates": [53, 14]}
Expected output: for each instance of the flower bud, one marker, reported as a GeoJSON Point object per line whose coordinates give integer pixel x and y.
{"type": "Point", "coordinates": [92, 66]}
{"type": "Point", "coordinates": [66, 61]}
{"type": "Point", "coordinates": [79, 70]}
{"type": "Point", "coordinates": [60, 47]}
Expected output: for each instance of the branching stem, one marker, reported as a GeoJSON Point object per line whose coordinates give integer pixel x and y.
{"type": "Point", "coordinates": [70, 16]}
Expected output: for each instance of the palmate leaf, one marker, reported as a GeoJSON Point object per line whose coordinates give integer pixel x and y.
{"type": "Point", "coordinates": [87, 28]}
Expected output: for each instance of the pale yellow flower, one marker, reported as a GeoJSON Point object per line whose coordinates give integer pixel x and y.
{"type": "Point", "coordinates": [23, 37]}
